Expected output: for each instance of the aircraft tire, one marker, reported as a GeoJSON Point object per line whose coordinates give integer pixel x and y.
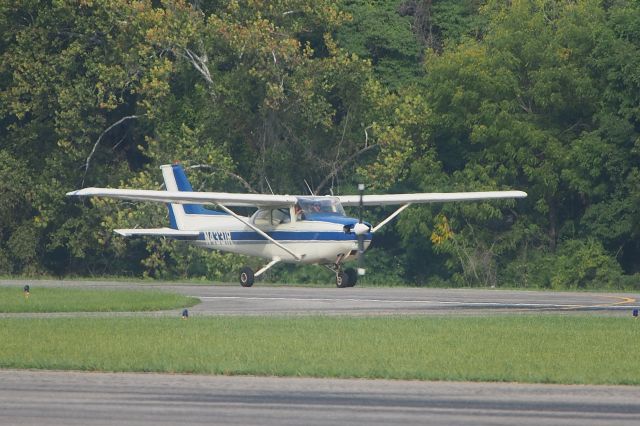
{"type": "Point", "coordinates": [246, 277]}
{"type": "Point", "coordinates": [353, 276]}
{"type": "Point", "coordinates": [342, 280]}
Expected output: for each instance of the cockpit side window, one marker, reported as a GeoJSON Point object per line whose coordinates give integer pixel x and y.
{"type": "Point", "coordinates": [274, 217]}
{"type": "Point", "coordinates": [279, 216]}
{"type": "Point", "coordinates": [262, 217]}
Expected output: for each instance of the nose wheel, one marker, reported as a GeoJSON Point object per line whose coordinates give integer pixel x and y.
{"type": "Point", "coordinates": [342, 279]}
{"type": "Point", "coordinates": [346, 278]}
{"type": "Point", "coordinates": [353, 276]}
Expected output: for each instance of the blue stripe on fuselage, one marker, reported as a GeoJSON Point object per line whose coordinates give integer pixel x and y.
{"type": "Point", "coordinates": [246, 236]}
{"type": "Point", "coordinates": [172, 218]}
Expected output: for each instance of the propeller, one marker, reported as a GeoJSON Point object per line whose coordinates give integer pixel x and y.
{"type": "Point", "coordinates": [360, 229]}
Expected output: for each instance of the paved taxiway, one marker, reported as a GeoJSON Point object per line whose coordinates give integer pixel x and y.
{"type": "Point", "coordinates": [375, 301]}
{"type": "Point", "coordinates": [70, 398]}
{"type": "Point", "coordinates": [288, 300]}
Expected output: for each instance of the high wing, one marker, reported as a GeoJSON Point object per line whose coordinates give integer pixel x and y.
{"type": "Point", "coordinates": [265, 200]}
{"type": "Point", "coordinates": [186, 197]}
{"type": "Point", "coordinates": [431, 197]}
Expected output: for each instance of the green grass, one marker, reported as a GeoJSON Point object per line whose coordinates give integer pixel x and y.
{"type": "Point", "coordinates": [527, 348]}
{"type": "Point", "coordinates": [58, 299]}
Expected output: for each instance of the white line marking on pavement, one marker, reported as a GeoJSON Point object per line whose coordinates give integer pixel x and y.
{"type": "Point", "coordinates": [426, 302]}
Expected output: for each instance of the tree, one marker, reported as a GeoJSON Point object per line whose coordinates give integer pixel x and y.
{"type": "Point", "coordinates": [531, 106]}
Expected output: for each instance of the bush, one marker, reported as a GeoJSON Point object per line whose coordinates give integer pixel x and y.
{"type": "Point", "coordinates": [585, 264]}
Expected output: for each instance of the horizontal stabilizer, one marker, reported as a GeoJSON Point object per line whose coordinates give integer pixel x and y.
{"type": "Point", "coordinates": [159, 232]}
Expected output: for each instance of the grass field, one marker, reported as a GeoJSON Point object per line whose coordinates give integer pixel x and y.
{"type": "Point", "coordinates": [525, 348]}
{"type": "Point", "coordinates": [42, 299]}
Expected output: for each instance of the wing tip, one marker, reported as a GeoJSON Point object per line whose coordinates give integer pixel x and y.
{"type": "Point", "coordinates": [80, 192]}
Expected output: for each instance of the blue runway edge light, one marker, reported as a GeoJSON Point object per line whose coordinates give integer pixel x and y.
{"type": "Point", "coordinates": [185, 314]}
{"type": "Point", "coordinates": [635, 313]}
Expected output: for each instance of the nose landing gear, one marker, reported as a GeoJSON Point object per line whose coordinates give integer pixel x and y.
{"type": "Point", "coordinates": [346, 278]}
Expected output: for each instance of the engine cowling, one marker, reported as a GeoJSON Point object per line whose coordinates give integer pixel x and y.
{"type": "Point", "coordinates": [361, 228]}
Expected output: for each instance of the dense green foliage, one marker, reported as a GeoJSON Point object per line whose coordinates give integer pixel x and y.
{"type": "Point", "coordinates": [407, 95]}
{"type": "Point", "coordinates": [524, 348]}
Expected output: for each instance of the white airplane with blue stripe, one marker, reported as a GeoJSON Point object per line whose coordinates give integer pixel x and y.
{"type": "Point", "coordinates": [284, 228]}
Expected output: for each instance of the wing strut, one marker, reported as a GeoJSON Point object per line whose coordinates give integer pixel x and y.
{"type": "Point", "coordinates": [260, 231]}
{"type": "Point", "coordinates": [387, 220]}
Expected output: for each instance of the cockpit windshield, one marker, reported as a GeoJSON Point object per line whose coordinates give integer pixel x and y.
{"type": "Point", "coordinates": [319, 205]}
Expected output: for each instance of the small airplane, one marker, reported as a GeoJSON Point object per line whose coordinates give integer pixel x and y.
{"type": "Point", "coordinates": [284, 228]}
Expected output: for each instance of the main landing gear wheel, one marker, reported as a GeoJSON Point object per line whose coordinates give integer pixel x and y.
{"type": "Point", "coordinates": [246, 277]}
{"type": "Point", "coordinates": [353, 276]}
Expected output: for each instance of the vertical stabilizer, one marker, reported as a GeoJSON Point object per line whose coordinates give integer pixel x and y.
{"type": "Point", "coordinates": [177, 217]}
{"type": "Point", "coordinates": [175, 179]}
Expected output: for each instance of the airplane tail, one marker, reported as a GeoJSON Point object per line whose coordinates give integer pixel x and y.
{"type": "Point", "coordinates": [175, 179]}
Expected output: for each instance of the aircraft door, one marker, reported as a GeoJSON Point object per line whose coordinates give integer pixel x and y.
{"type": "Point", "coordinates": [271, 218]}
{"type": "Point", "coordinates": [262, 218]}
{"type": "Point", "coordinates": [280, 216]}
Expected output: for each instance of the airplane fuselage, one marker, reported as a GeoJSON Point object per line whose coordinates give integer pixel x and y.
{"type": "Point", "coordinates": [319, 241]}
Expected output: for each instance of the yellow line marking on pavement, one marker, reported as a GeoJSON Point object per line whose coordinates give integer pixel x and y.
{"type": "Point", "coordinates": [625, 300]}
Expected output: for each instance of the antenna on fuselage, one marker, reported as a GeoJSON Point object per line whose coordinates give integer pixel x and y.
{"type": "Point", "coordinates": [309, 188]}
{"type": "Point", "coordinates": [269, 185]}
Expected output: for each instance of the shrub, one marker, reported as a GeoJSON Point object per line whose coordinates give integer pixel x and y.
{"type": "Point", "coordinates": [585, 264]}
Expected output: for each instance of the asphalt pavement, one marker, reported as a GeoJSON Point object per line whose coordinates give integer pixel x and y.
{"type": "Point", "coordinates": [72, 398]}
{"type": "Point", "coordinates": [217, 299]}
